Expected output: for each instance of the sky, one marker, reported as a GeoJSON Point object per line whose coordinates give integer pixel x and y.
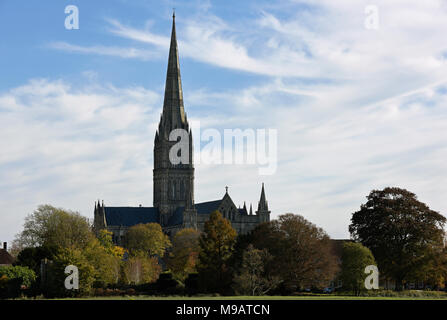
{"type": "Point", "coordinates": [357, 94]}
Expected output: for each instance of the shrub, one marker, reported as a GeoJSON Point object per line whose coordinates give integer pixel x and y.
{"type": "Point", "coordinates": [15, 280]}
{"type": "Point", "coordinates": [167, 285]}
{"type": "Point", "coordinates": [192, 284]}
{"type": "Point", "coordinates": [399, 294]}
{"type": "Point", "coordinates": [99, 292]}
{"type": "Point", "coordinates": [131, 292]}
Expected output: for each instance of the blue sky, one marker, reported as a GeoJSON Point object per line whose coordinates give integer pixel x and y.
{"type": "Point", "coordinates": [355, 108]}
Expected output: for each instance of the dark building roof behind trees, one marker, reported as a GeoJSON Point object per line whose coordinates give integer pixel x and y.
{"type": "Point", "coordinates": [5, 257]}
{"type": "Point", "coordinates": [130, 216]}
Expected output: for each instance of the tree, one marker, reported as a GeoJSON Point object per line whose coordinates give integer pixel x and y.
{"type": "Point", "coordinates": [404, 234]}
{"type": "Point", "coordinates": [252, 278]}
{"type": "Point", "coordinates": [31, 257]}
{"type": "Point", "coordinates": [140, 269]}
{"type": "Point", "coordinates": [147, 238]}
{"type": "Point", "coordinates": [242, 243]}
{"type": "Point", "coordinates": [433, 274]}
{"type": "Point", "coordinates": [216, 245]}
{"type": "Point", "coordinates": [106, 241]}
{"type": "Point", "coordinates": [303, 253]}
{"type": "Point", "coordinates": [102, 255]}
{"type": "Point", "coordinates": [105, 263]}
{"type": "Point", "coordinates": [185, 253]}
{"type": "Point", "coordinates": [54, 227]}
{"type": "Point", "coordinates": [105, 238]}
{"type": "Point", "coordinates": [55, 275]}
{"type": "Point", "coordinates": [355, 257]}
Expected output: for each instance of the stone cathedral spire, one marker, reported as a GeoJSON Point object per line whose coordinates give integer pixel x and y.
{"type": "Point", "coordinates": [173, 116]}
{"type": "Point", "coordinates": [173, 183]}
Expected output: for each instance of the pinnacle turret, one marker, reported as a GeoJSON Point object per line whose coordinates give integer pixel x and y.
{"type": "Point", "coordinates": [263, 205]}
{"type": "Point", "coordinates": [263, 208]}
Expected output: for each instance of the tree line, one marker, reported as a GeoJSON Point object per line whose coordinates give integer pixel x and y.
{"type": "Point", "coordinates": [392, 230]}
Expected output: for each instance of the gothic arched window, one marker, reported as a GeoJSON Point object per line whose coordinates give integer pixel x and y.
{"type": "Point", "coordinates": [182, 189]}
{"type": "Point", "coordinates": [169, 189]}
{"type": "Point", "coordinates": [174, 189]}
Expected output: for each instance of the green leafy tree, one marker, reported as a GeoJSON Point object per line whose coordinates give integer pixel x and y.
{"type": "Point", "coordinates": [436, 275]}
{"type": "Point", "coordinates": [140, 269]}
{"type": "Point", "coordinates": [106, 241]}
{"type": "Point", "coordinates": [355, 257]}
{"type": "Point", "coordinates": [13, 279]}
{"type": "Point", "coordinates": [54, 227]}
{"type": "Point", "coordinates": [64, 237]}
{"type": "Point", "coordinates": [105, 238]}
{"type": "Point", "coordinates": [31, 257]}
{"type": "Point", "coordinates": [148, 239]}
{"type": "Point", "coordinates": [184, 254]}
{"type": "Point", "coordinates": [303, 253]}
{"type": "Point", "coordinates": [216, 245]}
{"type": "Point", "coordinates": [104, 259]}
{"type": "Point", "coordinates": [404, 234]}
{"type": "Point", "coordinates": [433, 274]}
{"type": "Point", "coordinates": [55, 275]}
{"type": "Point", "coordinates": [252, 278]}
{"type": "Point", "coordinates": [106, 265]}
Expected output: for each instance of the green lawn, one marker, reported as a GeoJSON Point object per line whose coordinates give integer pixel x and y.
{"type": "Point", "coordinates": [313, 297]}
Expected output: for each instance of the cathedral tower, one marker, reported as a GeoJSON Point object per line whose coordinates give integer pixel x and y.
{"type": "Point", "coordinates": [173, 183]}
{"type": "Point", "coordinates": [173, 177]}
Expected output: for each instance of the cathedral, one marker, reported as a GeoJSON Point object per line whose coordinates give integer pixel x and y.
{"type": "Point", "coordinates": [173, 198]}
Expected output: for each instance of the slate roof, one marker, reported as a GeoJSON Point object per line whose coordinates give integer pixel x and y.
{"type": "Point", "coordinates": [243, 211]}
{"type": "Point", "coordinates": [5, 257]}
{"type": "Point", "coordinates": [130, 216]}
{"type": "Point", "coordinates": [207, 207]}
{"type": "Point", "coordinates": [202, 208]}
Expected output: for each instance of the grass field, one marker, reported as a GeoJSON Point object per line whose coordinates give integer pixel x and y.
{"type": "Point", "coordinates": [313, 297]}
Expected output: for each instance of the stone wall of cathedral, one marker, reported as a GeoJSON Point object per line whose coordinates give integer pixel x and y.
{"type": "Point", "coordinates": [243, 224]}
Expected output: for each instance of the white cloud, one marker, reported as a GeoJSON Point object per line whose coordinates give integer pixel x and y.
{"type": "Point", "coordinates": [106, 51]}
{"type": "Point", "coordinates": [330, 42]}
{"type": "Point", "coordinates": [67, 145]}
{"type": "Point", "coordinates": [355, 109]}
{"type": "Point", "coordinates": [329, 159]}
{"type": "Point", "coordinates": [74, 145]}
